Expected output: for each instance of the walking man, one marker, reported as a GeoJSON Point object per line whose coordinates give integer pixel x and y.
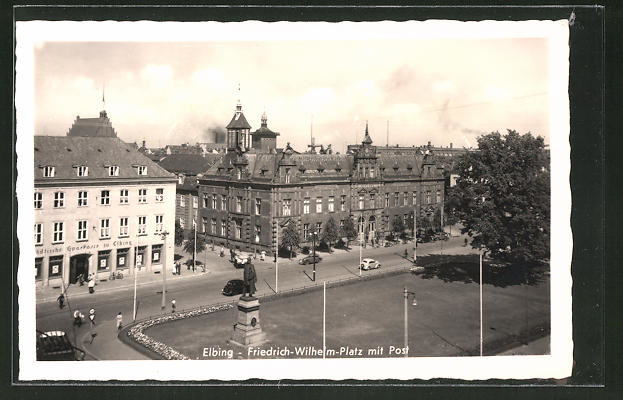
{"type": "Point", "coordinates": [91, 285]}
{"type": "Point", "coordinates": [78, 318]}
{"type": "Point", "coordinates": [173, 306]}
{"type": "Point", "coordinates": [92, 317]}
{"type": "Point", "coordinates": [119, 321]}
{"type": "Point", "coordinates": [61, 301]}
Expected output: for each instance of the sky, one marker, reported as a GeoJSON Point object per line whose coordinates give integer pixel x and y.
{"type": "Point", "coordinates": [419, 90]}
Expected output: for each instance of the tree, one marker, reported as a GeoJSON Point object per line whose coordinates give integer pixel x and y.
{"type": "Point", "coordinates": [503, 194]}
{"type": "Point", "coordinates": [179, 234]}
{"type": "Point", "coordinates": [189, 245]}
{"type": "Point", "coordinates": [398, 226]}
{"type": "Point", "coordinates": [331, 232]}
{"type": "Point", "coordinates": [348, 230]}
{"type": "Point", "coordinates": [290, 237]}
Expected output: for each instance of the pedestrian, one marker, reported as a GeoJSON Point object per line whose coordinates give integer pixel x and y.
{"type": "Point", "coordinates": [173, 306]}
{"type": "Point", "coordinates": [81, 279]}
{"type": "Point", "coordinates": [91, 285]}
{"type": "Point", "coordinates": [92, 317]}
{"type": "Point", "coordinates": [78, 318]}
{"type": "Point", "coordinates": [465, 243]}
{"type": "Point", "coordinates": [119, 321]}
{"type": "Point", "coordinates": [61, 301]}
{"type": "Point", "coordinates": [406, 254]}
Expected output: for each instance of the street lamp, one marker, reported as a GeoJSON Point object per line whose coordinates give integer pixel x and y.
{"type": "Point", "coordinates": [164, 235]}
{"type": "Point", "coordinates": [314, 234]}
{"type": "Point", "coordinates": [406, 295]}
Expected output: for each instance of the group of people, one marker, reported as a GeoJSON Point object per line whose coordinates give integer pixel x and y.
{"type": "Point", "coordinates": [90, 282]}
{"type": "Point", "coordinates": [79, 317]}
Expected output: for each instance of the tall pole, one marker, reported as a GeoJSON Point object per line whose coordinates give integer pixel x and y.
{"type": "Point", "coordinates": [406, 330]}
{"type": "Point", "coordinates": [360, 242]}
{"type": "Point", "coordinates": [480, 303]}
{"type": "Point", "coordinates": [135, 275]}
{"type": "Point", "coordinates": [277, 259]}
{"type": "Point", "coordinates": [324, 319]}
{"type": "Point", "coordinates": [194, 244]}
{"type": "Point", "coordinates": [414, 230]}
{"type": "Point", "coordinates": [164, 272]}
{"type": "Point", "coordinates": [314, 256]}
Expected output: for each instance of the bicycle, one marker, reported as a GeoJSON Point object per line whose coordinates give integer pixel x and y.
{"type": "Point", "coordinates": [117, 275]}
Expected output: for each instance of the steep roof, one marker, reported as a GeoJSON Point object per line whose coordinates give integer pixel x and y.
{"type": "Point", "coordinates": [238, 122]}
{"type": "Point", "coordinates": [92, 127]}
{"type": "Point", "coordinates": [189, 164]}
{"type": "Point", "coordinates": [65, 153]}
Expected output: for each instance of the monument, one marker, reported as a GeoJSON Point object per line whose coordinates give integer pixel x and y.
{"type": "Point", "coordinates": [247, 329]}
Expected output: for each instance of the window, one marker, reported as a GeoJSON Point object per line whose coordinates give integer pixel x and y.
{"type": "Point", "coordinates": [48, 172]}
{"type": "Point", "coordinates": [286, 208]}
{"type": "Point", "coordinates": [386, 200]}
{"type": "Point", "coordinates": [258, 206]}
{"type": "Point", "coordinates": [331, 205]}
{"type": "Point", "coordinates": [372, 198]}
{"type": "Point", "coordinates": [238, 203]}
{"type": "Point", "coordinates": [343, 203]}
{"type": "Point", "coordinates": [405, 196]}
{"type": "Point", "coordinates": [142, 196]}
{"type": "Point", "coordinates": [223, 228]}
{"type": "Point", "coordinates": [305, 231]}
{"type": "Point", "coordinates": [319, 205]}
{"type": "Point", "coordinates": [287, 175]}
{"type": "Point", "coordinates": [38, 200]}
{"type": "Point", "coordinates": [159, 195]}
{"type": "Point", "coordinates": [361, 205]}
{"type": "Point", "coordinates": [238, 173]}
{"type": "Point", "coordinates": [105, 197]}
{"type": "Point", "coordinates": [105, 228]}
{"type": "Point", "coordinates": [124, 196]}
{"type": "Point", "coordinates": [238, 229]}
{"type": "Point", "coordinates": [102, 260]}
{"type": "Point", "coordinates": [55, 266]}
{"type": "Point", "coordinates": [405, 219]}
{"type": "Point", "coordinates": [182, 223]}
{"type": "Point", "coordinates": [195, 202]}
{"type": "Point", "coordinates": [396, 194]}
{"type": "Point", "coordinates": [57, 236]}
{"type": "Point", "coordinates": [258, 231]}
{"type": "Point", "coordinates": [341, 225]}
{"type": "Point", "coordinates": [365, 173]}
{"type": "Point", "coordinates": [159, 224]}
{"type": "Point", "coordinates": [318, 227]}
{"type": "Point", "coordinates": [156, 251]}
{"type": "Point", "coordinates": [204, 224]}
{"type": "Point", "coordinates": [223, 202]}
{"type": "Point", "coordinates": [38, 234]}
{"type": "Point", "coordinates": [142, 225]}
{"type": "Point", "coordinates": [38, 268]}
{"type": "Point", "coordinates": [306, 205]}
{"type": "Point", "coordinates": [83, 230]}
{"type": "Point", "coordinates": [414, 198]}
{"type": "Point", "coordinates": [371, 172]}
{"type": "Point", "coordinates": [82, 170]}
{"type": "Point", "coordinates": [438, 196]}
{"type": "Point", "coordinates": [214, 202]}
{"type": "Point", "coordinates": [124, 227]}
{"type": "Point", "coordinates": [142, 170]}
{"type": "Point", "coordinates": [206, 200]}
{"type": "Point", "coordinates": [59, 199]}
{"type": "Point", "coordinates": [428, 197]}
{"type": "Point", "coordinates": [83, 199]}
{"type": "Point", "coordinates": [182, 200]}
{"type": "Point", "coordinates": [113, 170]}
{"type": "Point", "coordinates": [122, 258]}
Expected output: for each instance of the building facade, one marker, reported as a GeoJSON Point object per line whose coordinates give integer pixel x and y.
{"type": "Point", "coordinates": [100, 207]}
{"type": "Point", "coordinates": [247, 198]}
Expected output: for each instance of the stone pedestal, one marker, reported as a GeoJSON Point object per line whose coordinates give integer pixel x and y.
{"type": "Point", "coordinates": [247, 330]}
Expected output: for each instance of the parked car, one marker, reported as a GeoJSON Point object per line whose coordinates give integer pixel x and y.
{"type": "Point", "coordinates": [418, 269]}
{"type": "Point", "coordinates": [55, 346]}
{"type": "Point", "coordinates": [242, 258]}
{"type": "Point", "coordinates": [310, 260]}
{"type": "Point", "coordinates": [369, 263]}
{"type": "Point", "coordinates": [233, 287]}
{"type": "Point", "coordinates": [442, 236]}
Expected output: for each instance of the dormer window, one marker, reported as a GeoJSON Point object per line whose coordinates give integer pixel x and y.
{"type": "Point", "coordinates": [82, 170]}
{"type": "Point", "coordinates": [113, 170]}
{"type": "Point", "coordinates": [48, 171]}
{"type": "Point", "coordinates": [180, 179]}
{"type": "Point", "coordinates": [238, 173]}
{"type": "Point", "coordinates": [141, 170]}
{"type": "Point", "coordinates": [287, 175]}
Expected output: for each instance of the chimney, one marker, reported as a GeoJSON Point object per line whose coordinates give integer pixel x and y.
{"type": "Point", "coordinates": [450, 144]}
{"type": "Point", "coordinates": [429, 143]}
{"type": "Point", "coordinates": [144, 144]}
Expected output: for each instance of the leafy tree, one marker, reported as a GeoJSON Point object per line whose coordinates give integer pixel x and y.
{"type": "Point", "coordinates": [398, 226]}
{"type": "Point", "coordinates": [503, 194]}
{"type": "Point", "coordinates": [451, 203]}
{"type": "Point", "coordinates": [331, 232]}
{"type": "Point", "coordinates": [348, 230]}
{"type": "Point", "coordinates": [189, 245]}
{"type": "Point", "coordinates": [179, 234]}
{"type": "Point", "coordinates": [437, 220]}
{"type": "Point", "coordinates": [290, 237]}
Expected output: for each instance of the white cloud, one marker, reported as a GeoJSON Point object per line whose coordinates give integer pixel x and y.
{"type": "Point", "coordinates": [158, 74]}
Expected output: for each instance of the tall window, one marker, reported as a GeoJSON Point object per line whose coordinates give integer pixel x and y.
{"type": "Point", "coordinates": [238, 229]}
{"type": "Point", "coordinates": [405, 196]}
{"type": "Point", "coordinates": [341, 225]}
{"type": "Point", "coordinates": [83, 230]}
{"type": "Point", "coordinates": [331, 205]}
{"type": "Point", "coordinates": [57, 234]}
{"type": "Point", "coordinates": [343, 203]}
{"type": "Point", "coordinates": [38, 200]}
{"type": "Point", "coordinates": [59, 199]}
{"type": "Point", "coordinates": [223, 202]}
{"type": "Point", "coordinates": [206, 200]}
{"type": "Point", "coordinates": [104, 228]}
{"type": "Point", "coordinates": [124, 227]}
{"type": "Point", "coordinates": [48, 172]}
{"type": "Point", "coordinates": [105, 197]}
{"type": "Point", "coordinates": [204, 223]}
{"type": "Point", "coordinates": [213, 223]}
{"type": "Point", "coordinates": [438, 196]}
{"type": "Point", "coordinates": [223, 228]}
{"type": "Point", "coordinates": [372, 196]}
{"type": "Point", "coordinates": [82, 170]}
{"type": "Point", "coordinates": [396, 195]}
{"type": "Point", "coordinates": [319, 205]}
{"type": "Point", "coordinates": [258, 231]}
{"type": "Point", "coordinates": [287, 175]}
{"type": "Point", "coordinates": [182, 200]}
{"type": "Point", "coordinates": [83, 199]}
{"type": "Point", "coordinates": [306, 205]}
{"type": "Point", "coordinates": [38, 234]}
{"type": "Point", "coordinates": [361, 205]}
{"type": "Point", "coordinates": [286, 208]}
{"type": "Point", "coordinates": [238, 203]}
{"type": "Point", "coordinates": [371, 172]}
{"type": "Point", "coordinates": [159, 194]}
{"type": "Point", "coordinates": [195, 202]}
{"type": "Point", "coordinates": [159, 224]}
{"type": "Point", "coordinates": [182, 223]}
{"type": "Point", "coordinates": [214, 202]}
{"type": "Point", "coordinates": [258, 206]}
{"type": "Point", "coordinates": [124, 196]}
{"type": "Point", "coordinates": [386, 200]}
{"type": "Point", "coordinates": [142, 196]}
{"type": "Point", "coordinates": [305, 231]}
{"type": "Point", "coordinates": [142, 225]}
{"type": "Point", "coordinates": [113, 170]}
{"type": "Point", "coordinates": [428, 197]}
{"type": "Point", "coordinates": [318, 227]}
{"type": "Point", "coordinates": [414, 198]}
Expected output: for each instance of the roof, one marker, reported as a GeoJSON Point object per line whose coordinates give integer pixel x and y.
{"type": "Point", "coordinates": [265, 132]}
{"type": "Point", "coordinates": [92, 127]}
{"type": "Point", "coordinates": [65, 153]}
{"type": "Point", "coordinates": [238, 122]}
{"type": "Point", "coordinates": [189, 164]}
{"type": "Point", "coordinates": [183, 149]}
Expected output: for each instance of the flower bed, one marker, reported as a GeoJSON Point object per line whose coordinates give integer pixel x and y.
{"type": "Point", "coordinates": [136, 334]}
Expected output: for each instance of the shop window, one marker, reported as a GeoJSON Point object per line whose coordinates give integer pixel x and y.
{"type": "Point", "coordinates": [55, 266]}
{"type": "Point", "coordinates": [122, 258]}
{"type": "Point", "coordinates": [38, 268]}
{"type": "Point", "coordinates": [103, 260]}
{"type": "Point", "coordinates": [156, 253]}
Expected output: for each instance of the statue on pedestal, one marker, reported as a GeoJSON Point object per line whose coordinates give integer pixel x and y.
{"type": "Point", "coordinates": [250, 278]}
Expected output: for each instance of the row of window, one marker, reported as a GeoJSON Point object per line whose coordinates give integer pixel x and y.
{"type": "Point", "coordinates": [397, 202]}
{"type": "Point", "coordinates": [82, 229]}
{"type": "Point", "coordinates": [49, 171]}
{"type": "Point", "coordinates": [183, 201]}
{"type": "Point", "coordinates": [104, 199]}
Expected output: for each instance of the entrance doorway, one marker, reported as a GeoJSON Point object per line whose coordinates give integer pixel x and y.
{"type": "Point", "coordinates": [78, 266]}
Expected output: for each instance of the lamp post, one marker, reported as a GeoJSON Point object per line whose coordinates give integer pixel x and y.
{"type": "Point", "coordinates": [414, 232]}
{"type": "Point", "coordinates": [314, 234]}
{"type": "Point", "coordinates": [164, 235]}
{"type": "Point", "coordinates": [406, 295]}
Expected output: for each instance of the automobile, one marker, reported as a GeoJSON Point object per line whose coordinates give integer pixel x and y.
{"type": "Point", "coordinates": [310, 260]}
{"type": "Point", "coordinates": [442, 236]}
{"type": "Point", "coordinates": [233, 287]}
{"type": "Point", "coordinates": [417, 269]}
{"type": "Point", "coordinates": [369, 263]}
{"type": "Point", "coordinates": [55, 346]}
{"type": "Point", "coordinates": [241, 257]}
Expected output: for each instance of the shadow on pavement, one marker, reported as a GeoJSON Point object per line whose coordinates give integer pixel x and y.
{"type": "Point", "coordinates": [465, 268]}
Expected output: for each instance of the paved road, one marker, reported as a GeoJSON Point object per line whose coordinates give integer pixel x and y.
{"type": "Point", "coordinates": [206, 288]}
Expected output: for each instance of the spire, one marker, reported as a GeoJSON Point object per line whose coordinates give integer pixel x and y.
{"type": "Point", "coordinates": [103, 112]}
{"type": "Point", "coordinates": [367, 139]}
{"type": "Point", "coordinates": [238, 104]}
